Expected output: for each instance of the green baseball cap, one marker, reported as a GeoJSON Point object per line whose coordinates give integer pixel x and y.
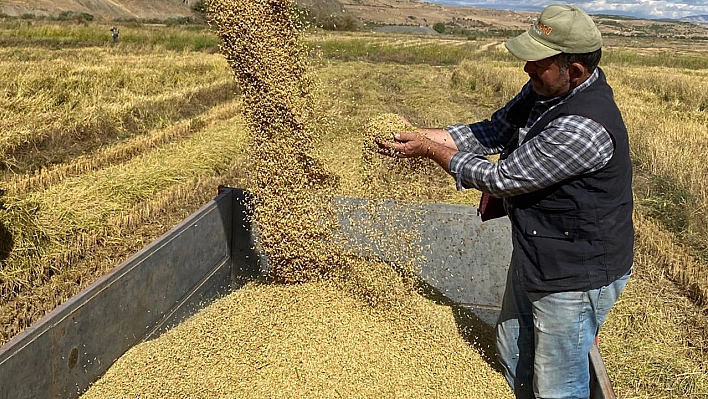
{"type": "Point", "coordinates": [559, 29]}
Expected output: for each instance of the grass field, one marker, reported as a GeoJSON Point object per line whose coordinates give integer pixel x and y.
{"type": "Point", "coordinates": [104, 147]}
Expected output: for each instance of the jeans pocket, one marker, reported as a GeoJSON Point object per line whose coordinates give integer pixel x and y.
{"type": "Point", "coordinates": [607, 296]}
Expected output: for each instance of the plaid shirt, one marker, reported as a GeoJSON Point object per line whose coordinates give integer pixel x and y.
{"type": "Point", "coordinates": [568, 146]}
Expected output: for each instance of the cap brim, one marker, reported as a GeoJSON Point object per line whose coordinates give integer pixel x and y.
{"type": "Point", "coordinates": [527, 48]}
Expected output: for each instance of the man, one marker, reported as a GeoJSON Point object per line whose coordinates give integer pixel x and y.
{"type": "Point", "coordinates": [565, 177]}
{"type": "Point", "coordinates": [114, 34]}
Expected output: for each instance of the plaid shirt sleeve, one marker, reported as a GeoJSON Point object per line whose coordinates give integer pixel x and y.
{"type": "Point", "coordinates": [488, 136]}
{"type": "Point", "coordinates": [568, 146]}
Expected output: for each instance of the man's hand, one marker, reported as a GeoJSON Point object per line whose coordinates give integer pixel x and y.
{"type": "Point", "coordinates": [406, 145]}
{"type": "Point", "coordinates": [417, 144]}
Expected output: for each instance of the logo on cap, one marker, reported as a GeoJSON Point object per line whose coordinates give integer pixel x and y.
{"type": "Point", "coordinates": [542, 28]}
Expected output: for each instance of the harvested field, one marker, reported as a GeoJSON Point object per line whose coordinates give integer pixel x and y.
{"type": "Point", "coordinates": [654, 343]}
{"type": "Point", "coordinates": [92, 162]}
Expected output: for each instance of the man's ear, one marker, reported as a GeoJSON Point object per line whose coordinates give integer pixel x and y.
{"type": "Point", "coordinates": [577, 73]}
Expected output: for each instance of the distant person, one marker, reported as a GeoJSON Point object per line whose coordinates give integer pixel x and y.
{"type": "Point", "coordinates": [565, 179]}
{"type": "Point", "coordinates": [114, 34]}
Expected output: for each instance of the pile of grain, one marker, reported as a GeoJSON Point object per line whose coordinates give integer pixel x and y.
{"type": "Point", "coordinates": [330, 320]}
{"type": "Point", "coordinates": [304, 341]}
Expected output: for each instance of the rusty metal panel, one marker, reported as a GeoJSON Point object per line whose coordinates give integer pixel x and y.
{"type": "Point", "coordinates": [62, 354]}
{"type": "Point", "coordinates": [600, 383]}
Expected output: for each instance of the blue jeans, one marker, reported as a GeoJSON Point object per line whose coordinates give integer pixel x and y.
{"type": "Point", "coordinates": [543, 340]}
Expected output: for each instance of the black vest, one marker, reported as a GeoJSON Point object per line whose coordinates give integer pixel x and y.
{"type": "Point", "coordinates": [576, 235]}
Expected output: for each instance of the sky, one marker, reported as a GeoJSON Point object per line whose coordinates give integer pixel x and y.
{"type": "Point", "coordinates": [655, 9]}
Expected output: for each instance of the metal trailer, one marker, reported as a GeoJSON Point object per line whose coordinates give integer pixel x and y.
{"type": "Point", "coordinates": [211, 253]}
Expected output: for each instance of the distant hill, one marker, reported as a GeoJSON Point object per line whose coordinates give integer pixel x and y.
{"type": "Point", "coordinates": [410, 12]}
{"type": "Point", "coordinates": [377, 12]}
{"type": "Point", "coordinates": [696, 19]}
{"type": "Point", "coordinates": [101, 9]}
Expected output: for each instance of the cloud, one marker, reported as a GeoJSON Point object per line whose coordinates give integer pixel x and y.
{"type": "Point", "coordinates": [635, 8]}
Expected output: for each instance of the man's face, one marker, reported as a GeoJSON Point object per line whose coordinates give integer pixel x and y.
{"type": "Point", "coordinates": [548, 79]}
